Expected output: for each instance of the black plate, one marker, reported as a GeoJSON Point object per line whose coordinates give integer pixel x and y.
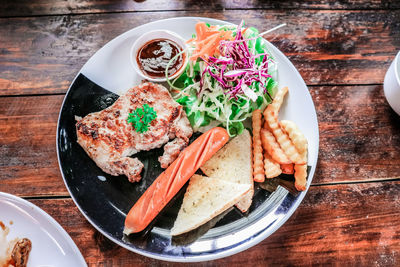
{"type": "Point", "coordinates": [105, 200]}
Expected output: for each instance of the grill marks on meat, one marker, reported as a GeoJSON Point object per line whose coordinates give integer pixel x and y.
{"type": "Point", "coordinates": [109, 139]}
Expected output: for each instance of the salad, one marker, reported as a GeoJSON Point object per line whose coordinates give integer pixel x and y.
{"type": "Point", "coordinates": [230, 74]}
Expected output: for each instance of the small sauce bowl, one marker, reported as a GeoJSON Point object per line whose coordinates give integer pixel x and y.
{"type": "Point", "coordinates": [152, 36]}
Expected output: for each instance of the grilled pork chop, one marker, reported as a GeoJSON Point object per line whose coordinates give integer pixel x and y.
{"type": "Point", "coordinates": [109, 139]}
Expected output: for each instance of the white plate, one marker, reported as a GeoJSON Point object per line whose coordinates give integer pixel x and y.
{"type": "Point", "coordinates": [51, 244]}
{"type": "Point", "coordinates": [110, 68]}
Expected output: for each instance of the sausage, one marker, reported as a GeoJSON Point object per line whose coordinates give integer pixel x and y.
{"type": "Point", "coordinates": [168, 184]}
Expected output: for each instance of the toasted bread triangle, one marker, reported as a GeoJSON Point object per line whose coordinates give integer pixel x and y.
{"type": "Point", "coordinates": [233, 163]}
{"type": "Point", "coordinates": [205, 198]}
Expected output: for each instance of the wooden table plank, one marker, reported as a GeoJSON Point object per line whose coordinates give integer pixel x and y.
{"type": "Point", "coordinates": [359, 134]}
{"type": "Point", "coordinates": [46, 7]}
{"type": "Point", "coordinates": [354, 225]}
{"type": "Point", "coordinates": [359, 139]}
{"type": "Point", "coordinates": [42, 55]}
{"type": "Point", "coordinates": [28, 164]}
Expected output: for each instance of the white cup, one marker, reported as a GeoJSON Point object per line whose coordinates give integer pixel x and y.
{"type": "Point", "coordinates": [391, 84]}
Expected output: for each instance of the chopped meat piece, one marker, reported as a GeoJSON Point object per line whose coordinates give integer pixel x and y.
{"type": "Point", "coordinates": [20, 253]}
{"type": "Point", "coordinates": [109, 139]}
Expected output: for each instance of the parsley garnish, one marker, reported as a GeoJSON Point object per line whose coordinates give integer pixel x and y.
{"type": "Point", "coordinates": [141, 118]}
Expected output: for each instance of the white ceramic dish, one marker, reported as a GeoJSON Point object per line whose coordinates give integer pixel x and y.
{"type": "Point", "coordinates": [391, 84]}
{"type": "Point", "coordinates": [153, 35]}
{"type": "Point", "coordinates": [51, 244]}
{"type": "Point", "coordinates": [110, 68]}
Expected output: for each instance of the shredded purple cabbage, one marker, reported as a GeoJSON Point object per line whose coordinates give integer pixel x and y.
{"type": "Point", "coordinates": [242, 66]}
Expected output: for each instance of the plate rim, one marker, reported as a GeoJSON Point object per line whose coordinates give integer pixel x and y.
{"type": "Point", "coordinates": [207, 257]}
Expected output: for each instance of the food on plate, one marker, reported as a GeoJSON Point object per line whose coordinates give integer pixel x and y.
{"type": "Point", "coordinates": [109, 139]}
{"type": "Point", "coordinates": [300, 141]}
{"type": "Point", "coordinates": [271, 167]}
{"type": "Point", "coordinates": [287, 168]}
{"type": "Point", "coordinates": [207, 40]}
{"type": "Point", "coordinates": [13, 253]}
{"type": "Point", "coordinates": [258, 165]}
{"type": "Point", "coordinates": [20, 253]}
{"type": "Point", "coordinates": [206, 198]}
{"type": "Point", "coordinates": [288, 136]}
{"type": "Point", "coordinates": [154, 56]}
{"type": "Point", "coordinates": [230, 79]}
{"type": "Point", "coordinates": [272, 147]}
{"type": "Point", "coordinates": [300, 175]}
{"type": "Point", "coordinates": [271, 119]}
{"type": "Point", "coordinates": [233, 163]}
{"type": "Point", "coordinates": [142, 117]}
{"type": "Point", "coordinates": [297, 137]}
{"type": "Point", "coordinates": [233, 74]}
{"type": "Point", "coordinates": [167, 185]}
{"type": "Point", "coordinates": [229, 182]}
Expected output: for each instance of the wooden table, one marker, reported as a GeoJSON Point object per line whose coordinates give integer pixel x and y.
{"type": "Point", "coordinates": [342, 49]}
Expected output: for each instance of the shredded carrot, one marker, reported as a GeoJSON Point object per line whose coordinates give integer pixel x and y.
{"type": "Point", "coordinates": [207, 41]}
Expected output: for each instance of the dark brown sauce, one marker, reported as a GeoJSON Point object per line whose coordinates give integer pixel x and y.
{"type": "Point", "coordinates": [154, 56]}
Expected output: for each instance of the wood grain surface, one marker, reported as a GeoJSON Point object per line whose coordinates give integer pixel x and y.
{"type": "Point", "coordinates": [57, 7]}
{"type": "Point", "coordinates": [42, 55]}
{"type": "Point", "coordinates": [342, 49]}
{"type": "Point", "coordinates": [28, 158]}
{"type": "Point", "coordinates": [359, 139]}
{"type": "Point", "coordinates": [334, 225]}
